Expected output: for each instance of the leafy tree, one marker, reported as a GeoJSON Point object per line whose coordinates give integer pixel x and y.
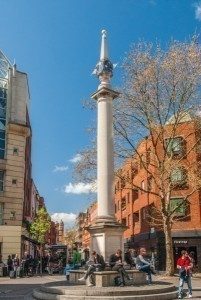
{"type": "Point", "coordinates": [160, 96]}
{"type": "Point", "coordinates": [39, 228]}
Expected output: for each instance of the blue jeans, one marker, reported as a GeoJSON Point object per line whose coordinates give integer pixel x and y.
{"type": "Point", "coordinates": [186, 279]}
{"type": "Point", "coordinates": [147, 269]}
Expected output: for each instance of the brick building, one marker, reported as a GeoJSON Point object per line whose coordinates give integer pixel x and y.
{"type": "Point", "coordinates": [133, 198]}
{"type": "Point", "coordinates": [132, 203]}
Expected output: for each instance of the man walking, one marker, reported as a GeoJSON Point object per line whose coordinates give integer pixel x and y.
{"type": "Point", "coordinates": [184, 265]}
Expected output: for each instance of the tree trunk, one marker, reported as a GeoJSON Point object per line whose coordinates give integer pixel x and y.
{"type": "Point", "coordinates": [169, 248]}
{"type": "Point", "coordinates": [41, 267]}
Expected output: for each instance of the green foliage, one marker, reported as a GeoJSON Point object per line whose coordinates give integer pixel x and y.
{"type": "Point", "coordinates": [40, 226]}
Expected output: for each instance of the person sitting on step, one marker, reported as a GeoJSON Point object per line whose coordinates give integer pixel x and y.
{"type": "Point", "coordinates": [142, 264]}
{"type": "Point", "coordinates": [95, 263]}
{"type": "Point", "coordinates": [116, 264]}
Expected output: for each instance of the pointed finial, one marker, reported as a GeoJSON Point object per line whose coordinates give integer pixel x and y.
{"type": "Point", "coordinates": [104, 46]}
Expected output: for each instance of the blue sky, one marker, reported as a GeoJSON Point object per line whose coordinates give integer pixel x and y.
{"type": "Point", "coordinates": [57, 43]}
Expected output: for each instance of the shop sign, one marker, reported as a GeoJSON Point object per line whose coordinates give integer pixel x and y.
{"type": "Point", "coordinates": [180, 242]}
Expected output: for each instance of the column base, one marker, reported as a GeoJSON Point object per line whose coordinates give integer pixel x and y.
{"type": "Point", "coordinates": [106, 236]}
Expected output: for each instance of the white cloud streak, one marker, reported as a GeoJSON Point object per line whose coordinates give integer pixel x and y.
{"type": "Point", "coordinates": [76, 158]}
{"type": "Point", "coordinates": [80, 188]}
{"type": "Point", "coordinates": [68, 219]}
{"type": "Point", "coordinates": [198, 11]}
{"type": "Point", "coordinates": [60, 168]}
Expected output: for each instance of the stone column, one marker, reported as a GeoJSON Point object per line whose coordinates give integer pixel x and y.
{"type": "Point", "coordinates": [106, 233]}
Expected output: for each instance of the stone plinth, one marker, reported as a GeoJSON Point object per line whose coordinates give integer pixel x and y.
{"type": "Point", "coordinates": [106, 236]}
{"type": "Point", "coordinates": [106, 278]}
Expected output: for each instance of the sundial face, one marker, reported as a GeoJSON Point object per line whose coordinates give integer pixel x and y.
{"type": "Point", "coordinates": [104, 66]}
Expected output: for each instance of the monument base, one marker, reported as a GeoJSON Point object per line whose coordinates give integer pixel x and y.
{"type": "Point", "coordinates": [106, 236]}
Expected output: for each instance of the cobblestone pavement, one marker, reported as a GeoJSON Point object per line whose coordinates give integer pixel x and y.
{"type": "Point", "coordinates": [21, 289]}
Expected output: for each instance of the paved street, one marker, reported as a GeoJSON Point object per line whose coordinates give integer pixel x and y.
{"type": "Point", "coordinates": [21, 289]}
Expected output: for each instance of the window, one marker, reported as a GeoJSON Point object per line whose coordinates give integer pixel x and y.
{"type": "Point", "coordinates": [144, 213]}
{"type": "Point", "coordinates": [135, 194]}
{"type": "Point", "coordinates": [136, 217]}
{"type": "Point", "coordinates": [14, 181]}
{"type": "Point", "coordinates": [175, 146]}
{"type": "Point", "coordinates": [1, 213]}
{"type": "Point", "coordinates": [179, 206]}
{"type": "Point", "coordinates": [123, 221]}
{"type": "Point", "coordinates": [123, 204]}
{"type": "Point", "coordinates": [15, 151]}
{"type": "Point", "coordinates": [115, 207]}
{"type": "Point", "coordinates": [1, 180]}
{"type": "Point", "coordinates": [178, 176]}
{"type": "Point", "coordinates": [3, 100]}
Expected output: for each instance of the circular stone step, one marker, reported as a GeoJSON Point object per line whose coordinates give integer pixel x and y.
{"type": "Point", "coordinates": [157, 291]}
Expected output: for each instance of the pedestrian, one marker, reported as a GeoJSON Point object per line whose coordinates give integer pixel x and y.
{"type": "Point", "coordinates": [95, 263]}
{"type": "Point", "coordinates": [116, 264]}
{"type": "Point", "coordinates": [25, 264]}
{"type": "Point", "coordinates": [184, 265]}
{"type": "Point", "coordinates": [9, 264]}
{"type": "Point", "coordinates": [50, 264]}
{"type": "Point", "coordinates": [16, 266]}
{"type": "Point", "coordinates": [144, 265]}
{"type": "Point", "coordinates": [76, 258]}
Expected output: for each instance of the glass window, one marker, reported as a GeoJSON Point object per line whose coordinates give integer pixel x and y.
{"type": "Point", "coordinates": [2, 153]}
{"type": "Point", "coordinates": [1, 180]}
{"type": "Point", "coordinates": [136, 217]}
{"type": "Point", "coordinates": [2, 144]}
{"type": "Point", "coordinates": [179, 206]}
{"type": "Point", "coordinates": [3, 98]}
{"type": "Point", "coordinates": [1, 213]}
{"type": "Point", "coordinates": [175, 146]}
{"type": "Point", "coordinates": [178, 175]}
{"type": "Point", "coordinates": [2, 135]}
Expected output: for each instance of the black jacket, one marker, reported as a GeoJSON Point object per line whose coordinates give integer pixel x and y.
{"type": "Point", "coordinates": [113, 259]}
{"type": "Point", "coordinates": [100, 261]}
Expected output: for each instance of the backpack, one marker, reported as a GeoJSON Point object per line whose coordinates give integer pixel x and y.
{"type": "Point", "coordinates": [117, 281]}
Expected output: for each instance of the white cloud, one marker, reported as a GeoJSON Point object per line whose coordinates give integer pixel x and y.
{"type": "Point", "coordinates": [80, 188]}
{"type": "Point", "coordinates": [60, 168]}
{"type": "Point", "coordinates": [76, 158]}
{"type": "Point", "coordinates": [198, 11]}
{"type": "Point", "coordinates": [68, 219]}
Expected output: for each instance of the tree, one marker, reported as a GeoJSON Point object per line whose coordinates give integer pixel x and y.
{"type": "Point", "coordinates": [39, 228]}
{"type": "Point", "coordinates": [160, 99]}
{"type": "Point", "coordinates": [70, 237]}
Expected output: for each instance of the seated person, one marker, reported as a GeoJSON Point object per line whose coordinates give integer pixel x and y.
{"type": "Point", "coordinates": [116, 264]}
{"type": "Point", "coordinates": [128, 258]}
{"type": "Point", "coordinates": [95, 263]}
{"type": "Point", "coordinates": [142, 264]}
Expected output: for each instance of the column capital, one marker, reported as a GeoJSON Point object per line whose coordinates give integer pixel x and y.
{"type": "Point", "coordinates": [104, 92]}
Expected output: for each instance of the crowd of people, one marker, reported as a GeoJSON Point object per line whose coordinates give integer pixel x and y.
{"type": "Point", "coordinates": [32, 266]}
